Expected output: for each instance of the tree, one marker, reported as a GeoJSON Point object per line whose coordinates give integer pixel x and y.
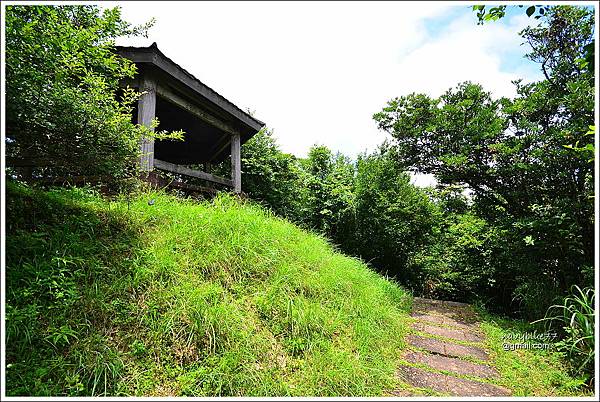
{"type": "Point", "coordinates": [64, 106]}
{"type": "Point", "coordinates": [456, 261]}
{"type": "Point", "coordinates": [393, 218]}
{"type": "Point", "coordinates": [329, 182]}
{"type": "Point", "coordinates": [511, 154]}
{"type": "Point", "coordinates": [271, 176]}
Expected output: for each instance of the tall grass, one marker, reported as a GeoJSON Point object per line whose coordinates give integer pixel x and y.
{"type": "Point", "coordinates": [575, 317]}
{"type": "Point", "coordinates": [177, 297]}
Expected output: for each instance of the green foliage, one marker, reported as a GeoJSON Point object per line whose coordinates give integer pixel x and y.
{"type": "Point", "coordinates": [575, 317]}
{"type": "Point", "coordinates": [529, 371]}
{"type": "Point", "coordinates": [316, 192]}
{"type": "Point", "coordinates": [514, 155]}
{"type": "Point", "coordinates": [271, 176]}
{"type": "Point", "coordinates": [122, 297]}
{"type": "Point", "coordinates": [454, 261]}
{"type": "Point", "coordinates": [451, 137]}
{"type": "Point", "coordinates": [368, 209]}
{"type": "Point", "coordinates": [497, 12]}
{"type": "Point", "coordinates": [329, 184]}
{"type": "Point", "coordinates": [119, 297]}
{"type": "Point", "coordinates": [393, 219]}
{"type": "Point", "coordinates": [64, 109]}
{"type": "Point", "coordinates": [588, 151]}
{"type": "Point", "coordinates": [61, 336]}
{"type": "Point", "coordinates": [65, 256]}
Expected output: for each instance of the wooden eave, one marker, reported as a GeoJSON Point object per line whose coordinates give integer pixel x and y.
{"type": "Point", "coordinates": [198, 94]}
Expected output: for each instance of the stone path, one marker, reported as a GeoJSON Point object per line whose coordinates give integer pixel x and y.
{"type": "Point", "coordinates": [446, 353]}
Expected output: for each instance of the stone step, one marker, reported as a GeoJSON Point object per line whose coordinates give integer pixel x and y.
{"type": "Point", "coordinates": [447, 348]}
{"type": "Point", "coordinates": [456, 334]}
{"type": "Point", "coordinates": [400, 393]}
{"type": "Point", "coordinates": [432, 302]}
{"type": "Point", "coordinates": [448, 384]}
{"type": "Point", "coordinates": [452, 364]}
{"type": "Point", "coordinates": [465, 316]}
{"type": "Point", "coordinates": [458, 311]}
{"type": "Point", "coordinates": [443, 320]}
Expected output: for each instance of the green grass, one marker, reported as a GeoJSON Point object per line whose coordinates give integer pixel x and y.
{"type": "Point", "coordinates": [529, 372]}
{"type": "Point", "coordinates": [213, 298]}
{"type": "Point", "coordinates": [119, 297]}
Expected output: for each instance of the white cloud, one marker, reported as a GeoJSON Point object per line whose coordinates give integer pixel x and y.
{"type": "Point", "coordinates": [465, 51]}
{"type": "Point", "coordinates": [316, 72]}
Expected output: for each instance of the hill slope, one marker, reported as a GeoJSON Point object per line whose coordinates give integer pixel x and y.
{"type": "Point", "coordinates": [161, 296]}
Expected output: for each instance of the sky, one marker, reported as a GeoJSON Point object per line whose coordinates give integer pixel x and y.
{"type": "Point", "coordinates": [316, 72]}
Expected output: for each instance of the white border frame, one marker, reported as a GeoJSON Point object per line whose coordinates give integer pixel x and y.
{"type": "Point", "coordinates": [3, 240]}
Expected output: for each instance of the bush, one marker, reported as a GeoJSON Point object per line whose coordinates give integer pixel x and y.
{"type": "Point", "coordinates": [393, 218]}
{"type": "Point", "coordinates": [575, 318]}
{"type": "Point", "coordinates": [65, 111]}
{"type": "Point", "coordinates": [271, 176]}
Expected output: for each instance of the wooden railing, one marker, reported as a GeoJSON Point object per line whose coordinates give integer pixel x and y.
{"type": "Point", "coordinates": [173, 168]}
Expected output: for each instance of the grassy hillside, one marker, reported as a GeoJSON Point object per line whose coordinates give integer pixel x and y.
{"type": "Point", "coordinates": [161, 296]}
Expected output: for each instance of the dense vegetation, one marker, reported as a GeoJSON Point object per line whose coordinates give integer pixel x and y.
{"type": "Point", "coordinates": [185, 298]}
{"type": "Point", "coordinates": [511, 154]}
{"type": "Point", "coordinates": [221, 298]}
{"type": "Point", "coordinates": [66, 114]}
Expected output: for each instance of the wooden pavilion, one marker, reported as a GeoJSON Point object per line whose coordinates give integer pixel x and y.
{"type": "Point", "coordinates": [215, 128]}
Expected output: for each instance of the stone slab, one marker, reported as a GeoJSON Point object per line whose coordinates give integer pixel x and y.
{"type": "Point", "coordinates": [432, 302]}
{"type": "Point", "coordinates": [447, 348]}
{"type": "Point", "coordinates": [448, 384]}
{"type": "Point", "coordinates": [452, 364]}
{"type": "Point", "coordinates": [464, 316]}
{"type": "Point", "coordinates": [399, 392]}
{"type": "Point", "coordinates": [443, 320]}
{"type": "Point", "coordinates": [457, 334]}
{"type": "Point", "coordinates": [460, 312]}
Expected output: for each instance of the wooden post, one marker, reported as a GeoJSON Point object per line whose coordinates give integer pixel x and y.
{"type": "Point", "coordinates": [236, 163]}
{"type": "Point", "coordinates": [147, 112]}
{"type": "Point", "coordinates": [208, 168]}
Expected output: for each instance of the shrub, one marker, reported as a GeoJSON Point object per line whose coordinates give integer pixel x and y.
{"type": "Point", "coordinates": [575, 318]}
{"type": "Point", "coordinates": [65, 110]}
